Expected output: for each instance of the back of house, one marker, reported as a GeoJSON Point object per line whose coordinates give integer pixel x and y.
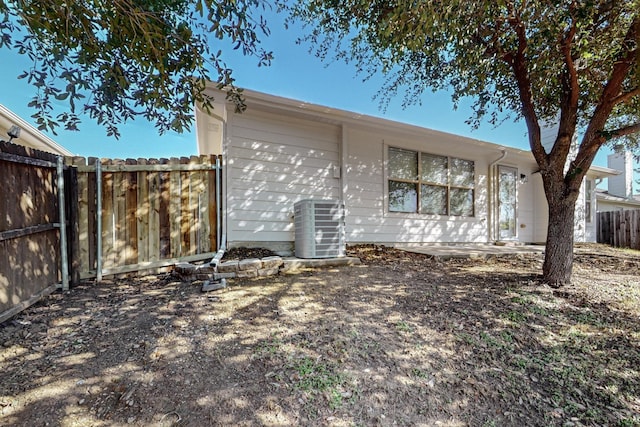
{"type": "Point", "coordinates": [399, 184]}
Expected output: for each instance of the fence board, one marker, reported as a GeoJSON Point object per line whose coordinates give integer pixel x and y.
{"type": "Point", "coordinates": [71, 200]}
{"type": "Point", "coordinates": [142, 214]}
{"type": "Point", "coordinates": [175, 211]}
{"type": "Point", "coordinates": [203, 208]}
{"type": "Point", "coordinates": [119, 194]}
{"type": "Point", "coordinates": [213, 206]}
{"type": "Point", "coordinates": [164, 216]}
{"type": "Point", "coordinates": [108, 226]}
{"type": "Point", "coordinates": [185, 214]}
{"type": "Point", "coordinates": [91, 207]}
{"type": "Point", "coordinates": [153, 185]}
{"type": "Point", "coordinates": [83, 215]}
{"type": "Point", "coordinates": [194, 203]}
{"type": "Point", "coordinates": [131, 207]}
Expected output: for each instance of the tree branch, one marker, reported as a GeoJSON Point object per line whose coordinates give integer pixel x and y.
{"type": "Point", "coordinates": [627, 130]}
{"type": "Point", "coordinates": [570, 97]}
{"type": "Point", "coordinates": [518, 63]}
{"type": "Point", "coordinates": [621, 99]}
{"type": "Point", "coordinates": [593, 137]}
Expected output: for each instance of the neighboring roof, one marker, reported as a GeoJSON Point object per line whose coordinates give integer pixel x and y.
{"type": "Point", "coordinates": [604, 196]}
{"type": "Point", "coordinates": [29, 135]}
{"type": "Point", "coordinates": [599, 172]}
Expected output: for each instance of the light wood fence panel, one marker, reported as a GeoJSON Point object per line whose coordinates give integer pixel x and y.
{"type": "Point", "coordinates": [619, 228]}
{"type": "Point", "coordinates": [155, 212]}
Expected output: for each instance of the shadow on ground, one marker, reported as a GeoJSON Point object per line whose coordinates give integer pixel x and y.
{"type": "Point", "coordinates": [401, 340]}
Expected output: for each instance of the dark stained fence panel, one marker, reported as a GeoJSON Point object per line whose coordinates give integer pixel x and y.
{"type": "Point", "coordinates": [619, 228]}
{"type": "Point", "coordinates": [29, 227]}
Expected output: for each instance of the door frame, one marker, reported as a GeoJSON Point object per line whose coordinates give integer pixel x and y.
{"type": "Point", "coordinates": [496, 211]}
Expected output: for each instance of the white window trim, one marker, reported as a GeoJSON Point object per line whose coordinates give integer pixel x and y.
{"type": "Point", "coordinates": [417, 215]}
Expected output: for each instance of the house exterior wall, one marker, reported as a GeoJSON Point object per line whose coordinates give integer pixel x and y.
{"type": "Point", "coordinates": [282, 151]}
{"type": "Point", "coordinates": [367, 216]}
{"type": "Point", "coordinates": [621, 185]}
{"type": "Point", "coordinates": [588, 200]}
{"type": "Point", "coordinates": [273, 162]}
{"type": "Point", "coordinates": [369, 220]}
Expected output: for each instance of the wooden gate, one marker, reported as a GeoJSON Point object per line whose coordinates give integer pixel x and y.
{"type": "Point", "coordinates": [31, 257]}
{"type": "Point", "coordinates": [145, 214]}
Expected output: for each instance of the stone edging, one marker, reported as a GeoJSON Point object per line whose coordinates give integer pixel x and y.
{"type": "Point", "coordinates": [254, 267]}
{"type": "Point", "coordinates": [251, 267]}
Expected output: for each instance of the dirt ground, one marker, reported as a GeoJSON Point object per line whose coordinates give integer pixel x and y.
{"type": "Point", "coordinates": [400, 340]}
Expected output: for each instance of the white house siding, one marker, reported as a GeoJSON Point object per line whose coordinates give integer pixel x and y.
{"type": "Point", "coordinates": [541, 209]}
{"type": "Point", "coordinates": [367, 219]}
{"type": "Point", "coordinates": [526, 203]}
{"type": "Point", "coordinates": [590, 231]}
{"type": "Point", "coordinates": [273, 162]}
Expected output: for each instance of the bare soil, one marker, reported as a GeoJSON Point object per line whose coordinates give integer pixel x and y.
{"type": "Point", "coordinates": [401, 340]}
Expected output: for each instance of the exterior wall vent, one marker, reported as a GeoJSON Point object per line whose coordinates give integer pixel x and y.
{"type": "Point", "coordinates": [319, 229]}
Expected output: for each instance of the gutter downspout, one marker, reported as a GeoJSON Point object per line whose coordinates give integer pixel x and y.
{"type": "Point", "coordinates": [64, 264]}
{"type": "Point", "coordinates": [218, 282]}
{"type": "Point", "coordinates": [493, 197]}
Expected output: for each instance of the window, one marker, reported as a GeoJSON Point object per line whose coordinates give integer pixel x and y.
{"type": "Point", "coordinates": [588, 190]}
{"type": "Point", "coordinates": [429, 184]}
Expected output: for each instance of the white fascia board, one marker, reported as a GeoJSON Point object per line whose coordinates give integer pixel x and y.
{"type": "Point", "coordinates": [29, 134]}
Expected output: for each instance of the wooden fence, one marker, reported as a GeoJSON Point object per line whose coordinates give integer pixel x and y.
{"type": "Point", "coordinates": [31, 221]}
{"type": "Point", "coordinates": [146, 213]}
{"type": "Point", "coordinates": [619, 228]}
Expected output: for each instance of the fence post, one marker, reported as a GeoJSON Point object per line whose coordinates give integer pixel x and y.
{"type": "Point", "coordinates": [220, 232]}
{"type": "Point", "coordinates": [99, 221]}
{"type": "Point", "coordinates": [64, 267]}
{"type": "Point", "coordinates": [71, 197]}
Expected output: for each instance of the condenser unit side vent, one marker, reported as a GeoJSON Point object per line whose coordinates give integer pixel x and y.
{"type": "Point", "coordinates": [319, 229]}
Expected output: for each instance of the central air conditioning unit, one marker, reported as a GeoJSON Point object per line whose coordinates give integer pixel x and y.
{"type": "Point", "coordinates": [319, 228]}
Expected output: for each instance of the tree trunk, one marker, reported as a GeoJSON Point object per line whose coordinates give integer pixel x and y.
{"type": "Point", "coordinates": [558, 259]}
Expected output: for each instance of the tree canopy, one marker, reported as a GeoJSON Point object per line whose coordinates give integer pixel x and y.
{"type": "Point", "coordinates": [115, 60]}
{"type": "Point", "coordinates": [564, 49]}
{"type": "Point", "coordinates": [573, 63]}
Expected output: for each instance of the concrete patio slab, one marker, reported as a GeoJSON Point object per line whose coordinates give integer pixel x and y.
{"type": "Point", "coordinates": [472, 251]}
{"type": "Point", "coordinates": [292, 264]}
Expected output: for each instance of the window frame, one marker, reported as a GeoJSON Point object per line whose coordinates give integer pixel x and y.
{"type": "Point", "coordinates": [418, 184]}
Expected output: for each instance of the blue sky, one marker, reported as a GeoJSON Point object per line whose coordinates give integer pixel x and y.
{"type": "Point", "coordinates": [295, 73]}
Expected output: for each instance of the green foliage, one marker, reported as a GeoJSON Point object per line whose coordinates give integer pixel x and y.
{"type": "Point", "coordinates": [118, 59]}
{"type": "Point", "coordinates": [472, 47]}
{"type": "Point", "coordinates": [315, 377]}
